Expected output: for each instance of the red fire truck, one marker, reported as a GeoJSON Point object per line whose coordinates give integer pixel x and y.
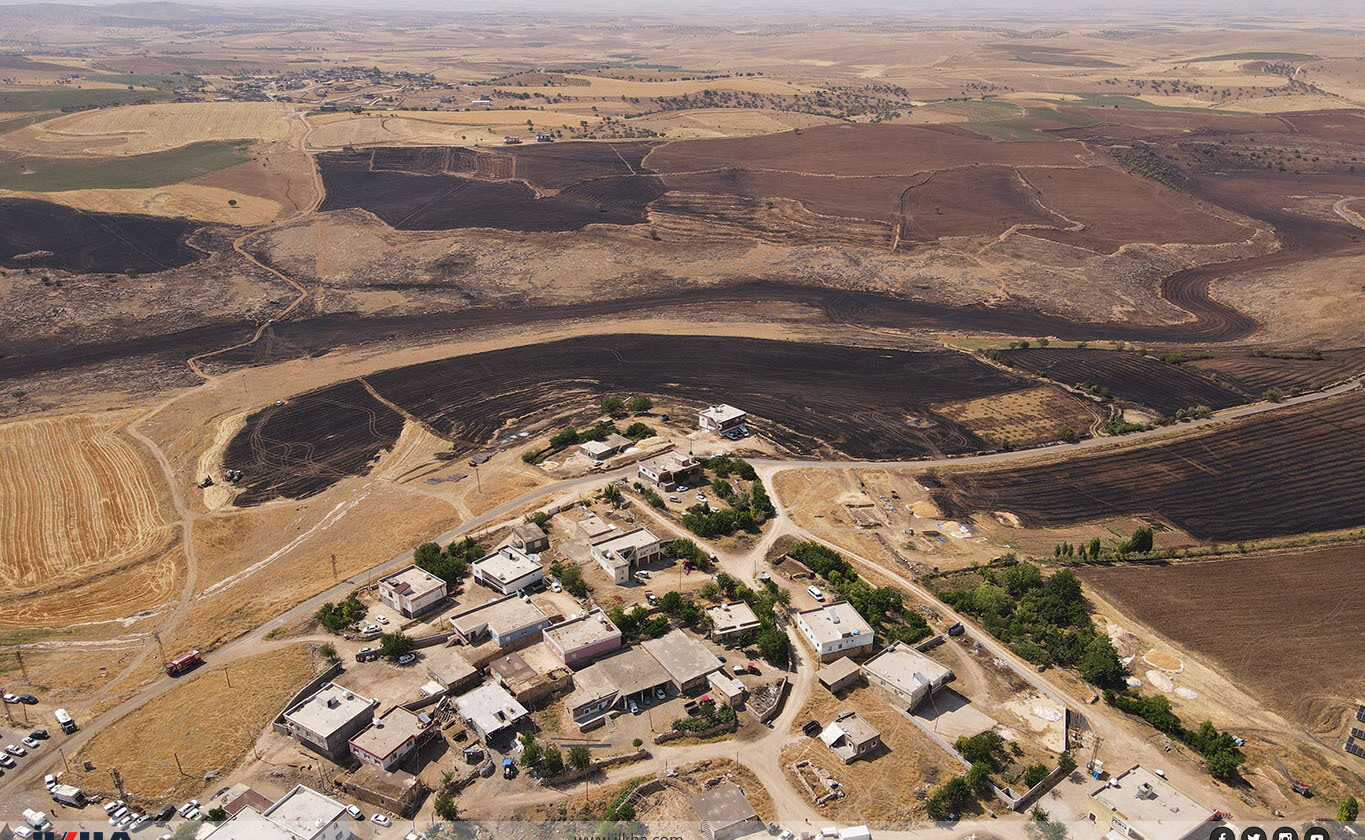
{"type": "Point", "coordinates": [183, 663]}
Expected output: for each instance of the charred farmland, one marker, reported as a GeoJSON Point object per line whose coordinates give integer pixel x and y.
{"type": "Point", "coordinates": [810, 398]}
{"type": "Point", "coordinates": [40, 234]}
{"type": "Point", "coordinates": [1128, 376]}
{"type": "Point", "coordinates": [1284, 472]}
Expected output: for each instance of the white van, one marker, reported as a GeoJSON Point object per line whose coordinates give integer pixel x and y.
{"type": "Point", "coordinates": [815, 593]}
{"type": "Point", "coordinates": [68, 725]}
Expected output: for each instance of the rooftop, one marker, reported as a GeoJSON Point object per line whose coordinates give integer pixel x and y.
{"type": "Point", "coordinates": [635, 538]}
{"type": "Point", "coordinates": [840, 669]}
{"type": "Point", "coordinates": [249, 824]}
{"type": "Point", "coordinates": [329, 709]}
{"type": "Point", "coordinates": [722, 413]}
{"type": "Point", "coordinates": [592, 683]}
{"type": "Point", "coordinates": [447, 666]}
{"type": "Point", "coordinates": [849, 728]}
{"type": "Point", "coordinates": [835, 621]}
{"type": "Point", "coordinates": [907, 669]}
{"type": "Point", "coordinates": [670, 462]}
{"type": "Point", "coordinates": [682, 656]}
{"type": "Point", "coordinates": [413, 582]}
{"type": "Point", "coordinates": [1142, 796]}
{"type": "Point", "coordinates": [390, 731]}
{"type": "Point", "coordinates": [723, 806]}
{"type": "Point", "coordinates": [490, 707]}
{"type": "Point", "coordinates": [529, 532]}
{"type": "Point", "coordinates": [501, 615]}
{"type": "Point", "coordinates": [305, 812]}
{"type": "Point", "coordinates": [586, 629]}
{"type": "Point", "coordinates": [727, 618]}
{"type": "Point", "coordinates": [241, 796]}
{"type": "Point", "coordinates": [513, 669]}
{"type": "Point", "coordinates": [594, 526]}
{"type": "Point", "coordinates": [507, 564]}
{"type": "Point", "coordinates": [630, 672]}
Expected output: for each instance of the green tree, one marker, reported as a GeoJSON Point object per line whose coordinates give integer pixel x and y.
{"type": "Point", "coordinates": [395, 644]}
{"type": "Point", "coordinates": [1100, 665]}
{"type": "Point", "coordinates": [327, 650]}
{"type": "Point", "coordinates": [1349, 810]}
{"type": "Point", "coordinates": [979, 778]}
{"type": "Point", "coordinates": [579, 757]}
{"type": "Point", "coordinates": [1035, 773]}
{"type": "Point", "coordinates": [984, 747]}
{"type": "Point", "coordinates": [1223, 765]}
{"type": "Point", "coordinates": [614, 406]}
{"type": "Point", "coordinates": [640, 404]}
{"type": "Point", "coordinates": [773, 645]}
{"type": "Point", "coordinates": [445, 808]}
{"type": "Point", "coordinates": [552, 762]}
{"type": "Point", "coordinates": [426, 554]}
{"type": "Point", "coordinates": [216, 814]}
{"type": "Point", "coordinates": [637, 431]}
{"type": "Point", "coordinates": [611, 493]}
{"type": "Point", "coordinates": [531, 752]}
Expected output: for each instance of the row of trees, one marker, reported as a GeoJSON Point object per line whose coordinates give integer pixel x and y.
{"type": "Point", "coordinates": [617, 407]}
{"type": "Point", "coordinates": [550, 761]}
{"type": "Point", "coordinates": [450, 564]}
{"type": "Point", "coordinates": [1219, 750]}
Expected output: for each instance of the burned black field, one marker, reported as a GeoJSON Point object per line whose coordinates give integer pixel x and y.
{"type": "Point", "coordinates": [39, 234]}
{"type": "Point", "coordinates": [809, 398]}
{"type": "Point", "coordinates": [1283, 472]}
{"type": "Point", "coordinates": [1128, 376]}
{"type": "Point", "coordinates": [415, 192]}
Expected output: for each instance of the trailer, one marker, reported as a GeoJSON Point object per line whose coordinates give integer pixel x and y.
{"type": "Point", "coordinates": [184, 662]}
{"type": "Point", "coordinates": [37, 819]}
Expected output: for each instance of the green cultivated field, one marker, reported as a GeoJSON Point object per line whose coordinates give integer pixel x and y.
{"type": "Point", "coordinates": [75, 99]}
{"type": "Point", "coordinates": [50, 174]}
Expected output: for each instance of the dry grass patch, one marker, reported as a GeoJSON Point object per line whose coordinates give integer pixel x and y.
{"type": "Point", "coordinates": [202, 722]}
{"type": "Point", "coordinates": [204, 204]}
{"type": "Point", "coordinates": [1033, 415]}
{"type": "Point", "coordinates": [141, 129]}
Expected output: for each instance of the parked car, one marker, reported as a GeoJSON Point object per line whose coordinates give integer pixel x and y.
{"type": "Point", "coordinates": [660, 693]}
{"type": "Point", "coordinates": [382, 619]}
{"type": "Point", "coordinates": [16, 751]}
{"type": "Point", "coordinates": [6, 761]}
{"type": "Point", "coordinates": [812, 728]}
{"type": "Point", "coordinates": [556, 586]}
{"type": "Point", "coordinates": [40, 734]}
{"type": "Point", "coordinates": [412, 835]}
{"type": "Point", "coordinates": [815, 593]}
{"type": "Point", "coordinates": [365, 654]}
{"type": "Point", "coordinates": [753, 668]}
{"type": "Point", "coordinates": [701, 497]}
{"type": "Point", "coordinates": [30, 743]}
{"type": "Point", "coordinates": [354, 811]}
{"type": "Point", "coordinates": [111, 807]}
{"type": "Point", "coordinates": [407, 659]}
{"type": "Point", "coordinates": [739, 670]}
{"type": "Point", "coordinates": [634, 708]}
{"type": "Point", "coordinates": [641, 576]}
{"type": "Point", "coordinates": [509, 768]}
{"type": "Point", "coordinates": [49, 781]}
{"type": "Point", "coordinates": [380, 819]}
{"type": "Point", "coordinates": [675, 500]}
{"type": "Point", "coordinates": [683, 488]}
{"type": "Point", "coordinates": [28, 699]}
{"type": "Point", "coordinates": [370, 628]}
{"type": "Point", "coordinates": [11, 698]}
{"type": "Point", "coordinates": [165, 814]}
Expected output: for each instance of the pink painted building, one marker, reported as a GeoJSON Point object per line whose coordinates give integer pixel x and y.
{"type": "Point", "coordinates": [583, 638]}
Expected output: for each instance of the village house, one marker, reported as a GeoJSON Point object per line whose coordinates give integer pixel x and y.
{"type": "Point", "coordinates": [448, 669]}
{"type": "Point", "coordinates": [326, 720]}
{"type": "Point", "coordinates": [504, 620]}
{"type": "Point", "coordinates": [835, 630]}
{"type": "Point", "coordinates": [583, 638]}
{"type": "Point", "coordinates": [618, 554]}
{"type": "Point", "coordinates": [839, 674]}
{"type": "Point", "coordinates": [721, 418]}
{"type": "Point", "coordinates": [613, 682]}
{"type": "Point", "coordinates": [850, 737]}
{"type": "Point", "coordinates": [507, 570]}
{"type": "Point", "coordinates": [593, 528]}
{"type": "Point", "coordinates": [670, 470]}
{"type": "Point", "coordinates": [301, 814]}
{"type": "Point", "coordinates": [723, 813]}
{"type": "Point", "coordinates": [730, 621]}
{"type": "Point", "coordinates": [601, 450]}
{"type": "Point", "coordinates": [907, 674]}
{"type": "Point", "coordinates": [1138, 804]}
{"type": "Point", "coordinates": [412, 591]}
{"type": "Point", "coordinates": [530, 538]}
{"type": "Point", "coordinates": [687, 661]}
{"type": "Point", "coordinates": [392, 738]}
{"type": "Point", "coordinates": [490, 711]}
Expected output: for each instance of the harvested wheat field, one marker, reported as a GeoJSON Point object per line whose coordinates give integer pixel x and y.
{"type": "Point", "coordinates": [202, 722]}
{"type": "Point", "coordinates": [141, 129]}
{"type": "Point", "coordinates": [111, 601]}
{"type": "Point", "coordinates": [190, 201]}
{"type": "Point", "coordinates": [76, 499]}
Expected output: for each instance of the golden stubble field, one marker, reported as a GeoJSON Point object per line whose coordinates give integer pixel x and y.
{"type": "Point", "coordinates": [142, 129]}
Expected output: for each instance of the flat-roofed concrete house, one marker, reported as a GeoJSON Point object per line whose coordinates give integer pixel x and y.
{"type": "Point", "coordinates": [613, 682]}
{"type": "Point", "coordinates": [669, 470]}
{"type": "Point", "coordinates": [907, 674]}
{"type": "Point", "coordinates": [504, 620]}
{"type": "Point", "coordinates": [618, 554]}
{"type": "Point", "coordinates": [594, 528]}
{"type": "Point", "coordinates": [581, 639]}
{"type": "Point", "coordinates": [530, 538]}
{"type": "Point", "coordinates": [721, 418]}
{"type": "Point", "coordinates": [600, 450]}
{"type": "Point", "coordinates": [724, 813]}
{"type": "Point", "coordinates": [326, 719]}
{"type": "Point", "coordinates": [507, 570]}
{"type": "Point", "coordinates": [490, 711]}
{"type": "Point", "coordinates": [730, 621]}
{"type": "Point", "coordinates": [412, 591]}
{"type": "Point", "coordinates": [839, 674]}
{"type": "Point", "coordinates": [1138, 804]}
{"type": "Point", "coordinates": [835, 630]}
{"type": "Point", "coordinates": [850, 737]}
{"type": "Point", "coordinates": [449, 669]}
{"type": "Point", "coordinates": [687, 661]}
{"type": "Point", "coordinates": [392, 738]}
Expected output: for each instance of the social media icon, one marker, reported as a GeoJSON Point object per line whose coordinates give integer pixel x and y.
{"type": "Point", "coordinates": [1223, 832]}
{"type": "Point", "coordinates": [1316, 832]}
{"type": "Point", "coordinates": [1284, 832]}
{"type": "Point", "coordinates": [1253, 832]}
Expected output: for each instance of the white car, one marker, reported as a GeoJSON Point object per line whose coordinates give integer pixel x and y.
{"type": "Point", "coordinates": [11, 698]}
{"type": "Point", "coordinates": [15, 751]}
{"type": "Point", "coordinates": [382, 619]}
{"type": "Point", "coordinates": [50, 781]}
{"type": "Point", "coordinates": [370, 628]}
{"type": "Point", "coordinates": [556, 586]}
{"type": "Point", "coordinates": [30, 743]}
{"type": "Point", "coordinates": [380, 819]}
{"type": "Point", "coordinates": [354, 812]}
{"type": "Point", "coordinates": [407, 659]}
{"type": "Point", "coordinates": [412, 835]}
{"type": "Point", "coordinates": [675, 500]}
{"type": "Point", "coordinates": [701, 497]}
{"type": "Point", "coordinates": [111, 807]}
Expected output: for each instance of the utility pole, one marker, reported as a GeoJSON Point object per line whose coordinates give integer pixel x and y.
{"type": "Point", "coordinates": [118, 780]}
{"type": "Point", "coordinates": [227, 677]}
{"type": "Point", "coordinates": [19, 657]}
{"type": "Point", "coordinates": [65, 763]}
{"type": "Point", "coordinates": [334, 567]}
{"type": "Point", "coordinates": [156, 635]}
